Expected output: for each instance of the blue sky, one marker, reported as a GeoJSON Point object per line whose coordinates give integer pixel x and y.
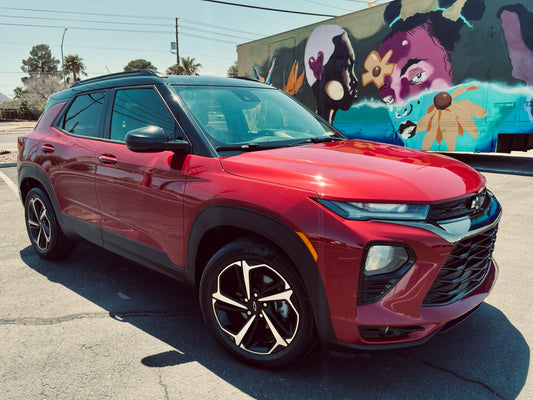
{"type": "Point", "coordinates": [108, 34]}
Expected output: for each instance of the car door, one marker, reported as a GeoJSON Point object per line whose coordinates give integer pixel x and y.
{"type": "Point", "coordinates": [70, 152]}
{"type": "Point", "coordinates": [141, 194]}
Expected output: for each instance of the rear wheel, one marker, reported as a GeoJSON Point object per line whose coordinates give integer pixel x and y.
{"type": "Point", "coordinates": [255, 304]}
{"type": "Point", "coordinates": [43, 228]}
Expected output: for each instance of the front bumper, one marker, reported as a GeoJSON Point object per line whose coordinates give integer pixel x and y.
{"type": "Point", "coordinates": [406, 315]}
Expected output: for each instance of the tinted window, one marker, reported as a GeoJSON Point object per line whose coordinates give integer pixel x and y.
{"type": "Point", "coordinates": [83, 116]}
{"type": "Point", "coordinates": [137, 108]}
{"type": "Point", "coordinates": [232, 115]}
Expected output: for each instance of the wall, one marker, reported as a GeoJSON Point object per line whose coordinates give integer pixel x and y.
{"type": "Point", "coordinates": [454, 75]}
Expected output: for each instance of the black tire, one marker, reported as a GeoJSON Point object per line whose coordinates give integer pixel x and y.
{"type": "Point", "coordinates": [44, 231]}
{"type": "Point", "coordinates": [255, 305]}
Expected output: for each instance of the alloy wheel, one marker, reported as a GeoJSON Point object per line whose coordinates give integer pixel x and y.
{"type": "Point", "coordinates": [39, 224]}
{"type": "Point", "coordinates": [254, 305]}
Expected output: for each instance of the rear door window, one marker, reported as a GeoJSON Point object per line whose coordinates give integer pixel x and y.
{"type": "Point", "coordinates": [84, 115]}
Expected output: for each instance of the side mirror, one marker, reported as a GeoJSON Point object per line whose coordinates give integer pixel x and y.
{"type": "Point", "coordinates": [153, 139]}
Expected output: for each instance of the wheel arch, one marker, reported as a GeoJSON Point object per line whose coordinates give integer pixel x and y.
{"type": "Point", "coordinates": [30, 176]}
{"type": "Point", "coordinates": [218, 225]}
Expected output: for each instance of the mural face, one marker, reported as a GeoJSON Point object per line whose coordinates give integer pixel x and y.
{"type": "Point", "coordinates": [330, 62]}
{"type": "Point", "coordinates": [437, 75]}
{"type": "Point", "coordinates": [420, 63]}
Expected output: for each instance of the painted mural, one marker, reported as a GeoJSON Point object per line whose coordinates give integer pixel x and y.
{"type": "Point", "coordinates": [448, 75]}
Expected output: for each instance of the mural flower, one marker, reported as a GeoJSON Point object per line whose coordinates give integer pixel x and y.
{"type": "Point", "coordinates": [260, 77]}
{"type": "Point", "coordinates": [377, 68]}
{"type": "Point", "coordinates": [294, 82]}
{"type": "Point", "coordinates": [447, 117]}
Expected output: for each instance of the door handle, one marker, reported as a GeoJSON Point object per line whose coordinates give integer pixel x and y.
{"type": "Point", "coordinates": [47, 148]}
{"type": "Point", "coordinates": [107, 159]}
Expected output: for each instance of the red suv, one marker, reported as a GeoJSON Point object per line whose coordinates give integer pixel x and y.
{"type": "Point", "coordinates": [288, 230]}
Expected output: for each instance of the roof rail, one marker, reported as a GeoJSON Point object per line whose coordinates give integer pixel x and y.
{"type": "Point", "coordinates": [134, 72]}
{"type": "Point", "coordinates": [246, 78]}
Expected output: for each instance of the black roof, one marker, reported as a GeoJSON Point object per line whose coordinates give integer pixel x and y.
{"type": "Point", "coordinates": [147, 77]}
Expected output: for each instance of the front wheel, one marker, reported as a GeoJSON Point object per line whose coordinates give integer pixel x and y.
{"type": "Point", "coordinates": [255, 304]}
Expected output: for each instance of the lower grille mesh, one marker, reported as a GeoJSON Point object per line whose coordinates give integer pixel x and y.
{"type": "Point", "coordinates": [464, 270]}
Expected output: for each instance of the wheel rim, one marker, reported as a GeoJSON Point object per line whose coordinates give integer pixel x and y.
{"type": "Point", "coordinates": [254, 306]}
{"type": "Point", "coordinates": [39, 224]}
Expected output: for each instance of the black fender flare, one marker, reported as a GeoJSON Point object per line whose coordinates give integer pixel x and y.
{"type": "Point", "coordinates": [35, 173]}
{"type": "Point", "coordinates": [276, 232]}
{"type": "Point", "coordinates": [31, 171]}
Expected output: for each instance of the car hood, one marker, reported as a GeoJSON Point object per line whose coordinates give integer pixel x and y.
{"type": "Point", "coordinates": [360, 170]}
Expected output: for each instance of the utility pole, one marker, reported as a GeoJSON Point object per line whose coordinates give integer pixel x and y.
{"type": "Point", "coordinates": [177, 46]}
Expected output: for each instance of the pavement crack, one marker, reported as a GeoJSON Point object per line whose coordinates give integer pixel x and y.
{"type": "Point", "coordinates": [449, 371]}
{"type": "Point", "coordinates": [36, 321]}
{"type": "Point", "coordinates": [162, 384]}
{"type": "Point", "coordinates": [120, 316]}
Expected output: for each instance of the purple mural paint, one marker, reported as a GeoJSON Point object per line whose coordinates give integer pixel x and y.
{"type": "Point", "coordinates": [420, 63]}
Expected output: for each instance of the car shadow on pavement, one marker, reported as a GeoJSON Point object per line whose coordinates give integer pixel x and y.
{"type": "Point", "coordinates": [484, 357]}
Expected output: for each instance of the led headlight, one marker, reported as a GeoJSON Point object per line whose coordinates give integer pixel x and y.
{"type": "Point", "coordinates": [368, 211]}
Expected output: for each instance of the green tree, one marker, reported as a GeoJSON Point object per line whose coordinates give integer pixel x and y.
{"type": "Point", "coordinates": [187, 66]}
{"type": "Point", "coordinates": [40, 62]}
{"type": "Point", "coordinates": [233, 71]}
{"type": "Point", "coordinates": [139, 63]}
{"type": "Point", "coordinates": [190, 66]}
{"type": "Point", "coordinates": [74, 66]}
{"type": "Point", "coordinates": [18, 91]}
{"type": "Point", "coordinates": [175, 69]}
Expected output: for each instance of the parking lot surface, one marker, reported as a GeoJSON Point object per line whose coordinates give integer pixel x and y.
{"type": "Point", "coordinates": [94, 326]}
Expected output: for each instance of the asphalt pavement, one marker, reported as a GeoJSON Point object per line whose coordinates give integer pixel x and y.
{"type": "Point", "coordinates": [94, 326]}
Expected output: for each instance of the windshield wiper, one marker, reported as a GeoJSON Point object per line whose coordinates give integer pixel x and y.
{"type": "Point", "coordinates": [247, 147]}
{"type": "Point", "coordinates": [258, 146]}
{"type": "Point", "coordinates": [321, 139]}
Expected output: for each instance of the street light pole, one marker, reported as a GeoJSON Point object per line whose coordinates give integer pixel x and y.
{"type": "Point", "coordinates": [63, 59]}
{"type": "Point", "coordinates": [177, 45]}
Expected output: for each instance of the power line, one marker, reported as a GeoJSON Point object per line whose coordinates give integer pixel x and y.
{"type": "Point", "coordinates": [268, 9]}
{"type": "Point", "coordinates": [136, 49]}
{"type": "Point", "coordinates": [191, 21]}
{"type": "Point", "coordinates": [87, 29]}
{"type": "Point", "coordinates": [119, 23]}
{"type": "Point", "coordinates": [119, 30]}
{"type": "Point", "coordinates": [128, 16]}
{"type": "Point", "coordinates": [80, 20]}
{"type": "Point", "coordinates": [85, 13]}
{"type": "Point", "coordinates": [328, 5]}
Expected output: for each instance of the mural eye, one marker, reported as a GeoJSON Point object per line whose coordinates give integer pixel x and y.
{"type": "Point", "coordinates": [419, 78]}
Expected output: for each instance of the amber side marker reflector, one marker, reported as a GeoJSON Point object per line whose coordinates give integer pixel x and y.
{"type": "Point", "coordinates": [309, 245]}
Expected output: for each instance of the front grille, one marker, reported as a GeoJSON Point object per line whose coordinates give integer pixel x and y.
{"type": "Point", "coordinates": [374, 288]}
{"type": "Point", "coordinates": [459, 208]}
{"type": "Point", "coordinates": [464, 270]}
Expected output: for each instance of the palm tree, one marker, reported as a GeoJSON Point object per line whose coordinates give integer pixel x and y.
{"type": "Point", "coordinates": [74, 66]}
{"type": "Point", "coordinates": [18, 92]}
{"type": "Point", "coordinates": [175, 69]}
{"type": "Point", "coordinates": [187, 66]}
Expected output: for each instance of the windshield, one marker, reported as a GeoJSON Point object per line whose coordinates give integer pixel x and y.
{"type": "Point", "coordinates": [252, 118]}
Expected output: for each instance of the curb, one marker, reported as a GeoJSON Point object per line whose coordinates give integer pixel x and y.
{"type": "Point", "coordinates": [7, 165]}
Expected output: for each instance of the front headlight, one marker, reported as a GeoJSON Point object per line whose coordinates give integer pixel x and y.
{"type": "Point", "coordinates": [367, 211]}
